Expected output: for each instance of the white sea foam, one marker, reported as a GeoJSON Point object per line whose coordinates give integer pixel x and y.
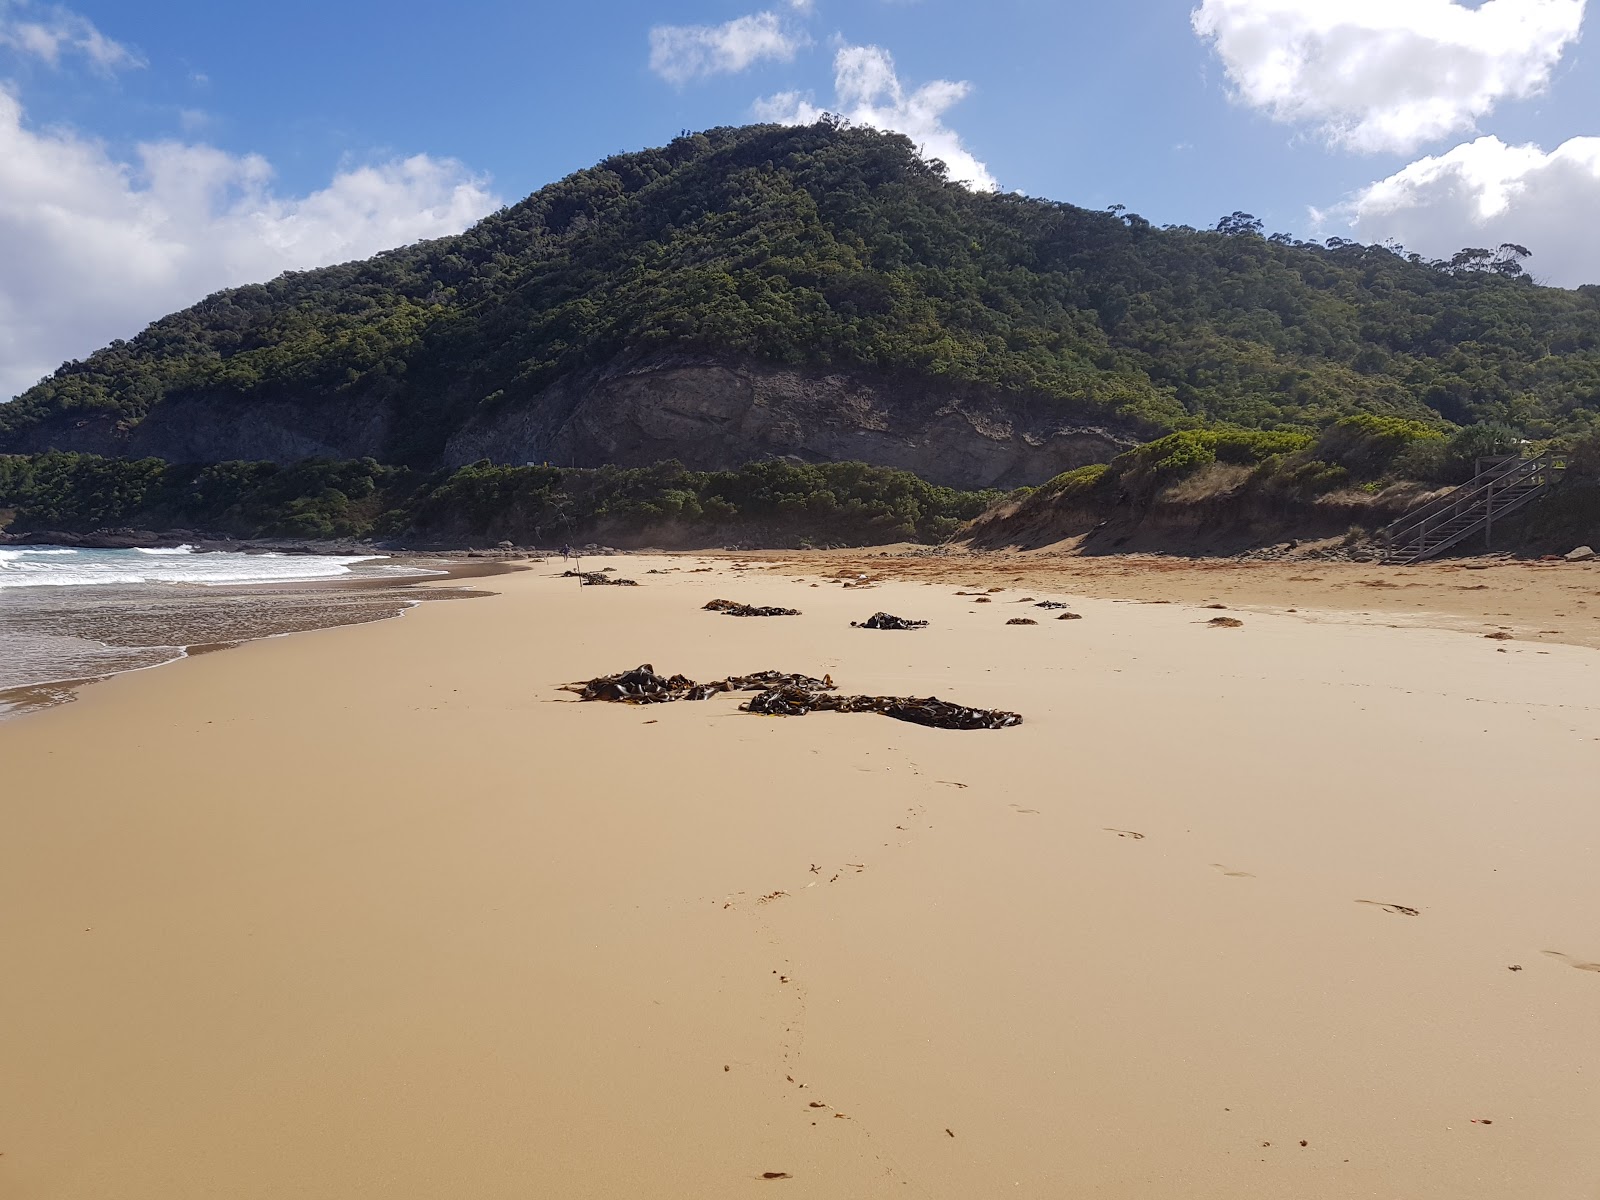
{"type": "Point", "coordinates": [29, 566]}
{"type": "Point", "coordinates": [184, 549]}
{"type": "Point", "coordinates": [36, 658]}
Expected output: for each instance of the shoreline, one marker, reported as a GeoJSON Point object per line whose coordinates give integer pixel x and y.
{"type": "Point", "coordinates": [32, 697]}
{"type": "Point", "coordinates": [1235, 914]}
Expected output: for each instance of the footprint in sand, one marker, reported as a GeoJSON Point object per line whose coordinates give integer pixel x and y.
{"type": "Point", "coordinates": [1231, 873]}
{"type": "Point", "coordinates": [1399, 910]}
{"type": "Point", "coordinates": [1032, 812]}
{"type": "Point", "coordinates": [1126, 833]}
{"type": "Point", "coordinates": [1576, 964]}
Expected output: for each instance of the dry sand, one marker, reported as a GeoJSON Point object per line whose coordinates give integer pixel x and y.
{"type": "Point", "coordinates": [378, 912]}
{"type": "Point", "coordinates": [1545, 601]}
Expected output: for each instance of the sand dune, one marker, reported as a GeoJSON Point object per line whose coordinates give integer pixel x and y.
{"type": "Point", "coordinates": [381, 912]}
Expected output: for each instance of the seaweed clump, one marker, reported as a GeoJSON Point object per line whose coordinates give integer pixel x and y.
{"type": "Point", "coordinates": [598, 579]}
{"type": "Point", "coordinates": [780, 695]}
{"type": "Point", "coordinates": [643, 686]}
{"type": "Point", "coordinates": [749, 610]}
{"type": "Point", "coordinates": [933, 712]}
{"type": "Point", "coordinates": [886, 621]}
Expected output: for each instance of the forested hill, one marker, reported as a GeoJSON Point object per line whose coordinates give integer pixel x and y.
{"type": "Point", "coordinates": [738, 268]}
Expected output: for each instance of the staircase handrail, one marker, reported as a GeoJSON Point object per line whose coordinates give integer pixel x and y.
{"type": "Point", "coordinates": [1469, 495]}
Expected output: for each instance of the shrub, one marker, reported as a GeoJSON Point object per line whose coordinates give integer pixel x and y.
{"type": "Point", "coordinates": [1077, 483]}
{"type": "Point", "coordinates": [1583, 455]}
{"type": "Point", "coordinates": [1369, 446]}
{"type": "Point", "coordinates": [1462, 452]}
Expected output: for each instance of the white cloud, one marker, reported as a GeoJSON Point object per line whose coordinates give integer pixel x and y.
{"type": "Point", "coordinates": [95, 247]}
{"type": "Point", "coordinates": [48, 31]}
{"type": "Point", "coordinates": [869, 92]}
{"type": "Point", "coordinates": [1485, 193]}
{"type": "Point", "coordinates": [1386, 75]}
{"type": "Point", "coordinates": [679, 53]}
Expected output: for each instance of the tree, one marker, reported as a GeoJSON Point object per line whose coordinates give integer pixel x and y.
{"type": "Point", "coordinates": [1238, 224]}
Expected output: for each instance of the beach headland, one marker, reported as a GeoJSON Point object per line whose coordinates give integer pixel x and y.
{"type": "Point", "coordinates": [1302, 906]}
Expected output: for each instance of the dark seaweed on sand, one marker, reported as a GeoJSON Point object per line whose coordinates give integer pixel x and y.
{"type": "Point", "coordinates": [783, 695]}
{"type": "Point", "coordinates": [598, 579]}
{"type": "Point", "coordinates": [886, 621]}
{"type": "Point", "coordinates": [643, 686]}
{"type": "Point", "coordinates": [733, 609]}
{"type": "Point", "coordinates": [933, 712]}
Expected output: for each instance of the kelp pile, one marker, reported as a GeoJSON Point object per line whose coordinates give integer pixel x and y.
{"type": "Point", "coordinates": [783, 695]}
{"type": "Point", "coordinates": [749, 610]}
{"type": "Point", "coordinates": [885, 621]}
{"type": "Point", "coordinates": [598, 579]}
{"type": "Point", "coordinates": [1052, 604]}
{"type": "Point", "coordinates": [643, 686]}
{"type": "Point", "coordinates": [933, 712]}
{"type": "Point", "coordinates": [1022, 621]}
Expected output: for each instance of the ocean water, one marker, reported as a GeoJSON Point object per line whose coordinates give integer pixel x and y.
{"type": "Point", "coordinates": [59, 566]}
{"type": "Point", "coordinates": [68, 616]}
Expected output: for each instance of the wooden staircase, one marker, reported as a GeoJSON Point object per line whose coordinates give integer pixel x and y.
{"type": "Point", "coordinates": [1500, 488]}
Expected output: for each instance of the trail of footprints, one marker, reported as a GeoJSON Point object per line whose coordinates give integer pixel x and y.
{"type": "Point", "coordinates": [789, 985]}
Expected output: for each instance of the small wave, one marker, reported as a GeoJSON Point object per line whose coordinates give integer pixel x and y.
{"type": "Point", "coordinates": [167, 553]}
{"type": "Point", "coordinates": [30, 552]}
{"type": "Point", "coordinates": [87, 568]}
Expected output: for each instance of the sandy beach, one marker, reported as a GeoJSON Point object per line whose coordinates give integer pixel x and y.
{"type": "Point", "coordinates": [1302, 908]}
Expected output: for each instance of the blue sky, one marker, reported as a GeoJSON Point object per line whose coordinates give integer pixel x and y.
{"type": "Point", "coordinates": [151, 152]}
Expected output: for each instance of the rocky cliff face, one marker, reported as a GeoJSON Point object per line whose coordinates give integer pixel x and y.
{"type": "Point", "coordinates": [706, 413]}
{"type": "Point", "coordinates": [712, 415]}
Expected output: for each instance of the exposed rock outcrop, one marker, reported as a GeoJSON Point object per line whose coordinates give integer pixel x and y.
{"type": "Point", "coordinates": [712, 415]}
{"type": "Point", "coordinates": [709, 414]}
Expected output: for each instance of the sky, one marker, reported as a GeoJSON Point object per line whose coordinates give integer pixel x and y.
{"type": "Point", "coordinates": [154, 151]}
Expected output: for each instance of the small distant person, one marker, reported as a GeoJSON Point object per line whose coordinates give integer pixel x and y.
{"type": "Point", "coordinates": [566, 553]}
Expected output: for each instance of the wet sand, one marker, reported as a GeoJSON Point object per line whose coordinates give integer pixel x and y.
{"type": "Point", "coordinates": [377, 911]}
{"type": "Point", "coordinates": [87, 634]}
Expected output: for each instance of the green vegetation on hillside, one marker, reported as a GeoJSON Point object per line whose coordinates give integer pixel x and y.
{"type": "Point", "coordinates": [1360, 456]}
{"type": "Point", "coordinates": [1227, 490]}
{"type": "Point", "coordinates": [839, 247]}
{"type": "Point", "coordinates": [777, 501]}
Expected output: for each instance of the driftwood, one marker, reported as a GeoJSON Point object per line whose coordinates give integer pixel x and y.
{"type": "Point", "coordinates": [749, 610]}
{"type": "Point", "coordinates": [885, 621]}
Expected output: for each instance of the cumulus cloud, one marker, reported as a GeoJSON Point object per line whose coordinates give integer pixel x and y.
{"type": "Point", "coordinates": [1386, 75]}
{"type": "Point", "coordinates": [868, 91]}
{"type": "Point", "coordinates": [49, 32]}
{"type": "Point", "coordinates": [96, 247]}
{"type": "Point", "coordinates": [680, 53]}
{"type": "Point", "coordinates": [1485, 193]}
